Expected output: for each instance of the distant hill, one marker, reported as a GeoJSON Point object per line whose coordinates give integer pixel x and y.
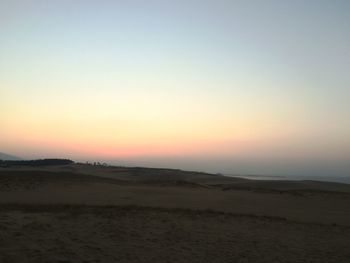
{"type": "Point", "coordinates": [4, 156]}
{"type": "Point", "coordinates": [40, 162]}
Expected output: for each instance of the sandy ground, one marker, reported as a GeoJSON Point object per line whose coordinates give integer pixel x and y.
{"type": "Point", "coordinates": [76, 214]}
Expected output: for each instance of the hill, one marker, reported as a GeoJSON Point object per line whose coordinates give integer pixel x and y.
{"type": "Point", "coordinates": [4, 156]}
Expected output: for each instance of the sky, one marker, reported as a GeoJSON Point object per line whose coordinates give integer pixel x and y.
{"type": "Point", "coordinates": [242, 87]}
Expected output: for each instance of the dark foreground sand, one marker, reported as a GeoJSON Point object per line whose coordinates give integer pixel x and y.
{"type": "Point", "coordinates": [94, 214]}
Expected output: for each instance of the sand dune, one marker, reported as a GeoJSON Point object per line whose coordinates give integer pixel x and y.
{"type": "Point", "coordinates": [84, 213]}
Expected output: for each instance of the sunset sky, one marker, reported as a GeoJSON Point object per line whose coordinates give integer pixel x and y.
{"type": "Point", "coordinates": [220, 85]}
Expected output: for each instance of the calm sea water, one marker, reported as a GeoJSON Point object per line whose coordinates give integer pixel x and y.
{"type": "Point", "coordinates": [336, 179]}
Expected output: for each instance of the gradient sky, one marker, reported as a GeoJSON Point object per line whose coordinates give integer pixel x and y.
{"type": "Point", "coordinates": [221, 85]}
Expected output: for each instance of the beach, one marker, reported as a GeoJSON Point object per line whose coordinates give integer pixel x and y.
{"type": "Point", "coordinates": [86, 213]}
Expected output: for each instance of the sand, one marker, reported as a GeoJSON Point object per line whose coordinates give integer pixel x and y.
{"type": "Point", "coordinates": [82, 213]}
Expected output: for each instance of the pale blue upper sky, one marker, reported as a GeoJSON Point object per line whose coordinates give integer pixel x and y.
{"type": "Point", "coordinates": [251, 83]}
